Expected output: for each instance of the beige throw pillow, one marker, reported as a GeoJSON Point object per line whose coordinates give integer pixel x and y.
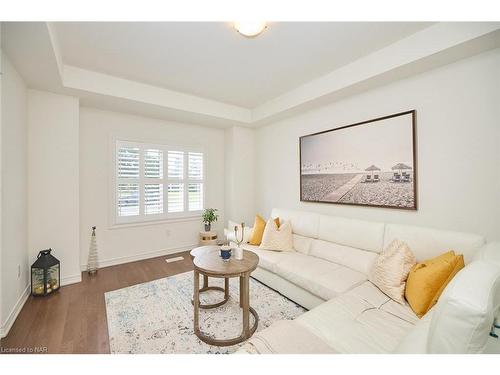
{"type": "Point", "coordinates": [278, 239]}
{"type": "Point", "coordinates": [391, 268]}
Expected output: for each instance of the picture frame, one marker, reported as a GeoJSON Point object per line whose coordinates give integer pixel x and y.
{"type": "Point", "coordinates": [372, 163]}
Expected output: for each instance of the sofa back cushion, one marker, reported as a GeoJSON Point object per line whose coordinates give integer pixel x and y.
{"type": "Point", "coordinates": [356, 259]}
{"type": "Point", "coordinates": [462, 318]}
{"type": "Point", "coordinates": [303, 223]}
{"type": "Point", "coordinates": [302, 244]}
{"type": "Point", "coordinates": [360, 234]}
{"type": "Point", "coordinates": [426, 243]}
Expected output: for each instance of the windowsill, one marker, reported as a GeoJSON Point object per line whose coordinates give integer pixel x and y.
{"type": "Point", "coordinates": [173, 220]}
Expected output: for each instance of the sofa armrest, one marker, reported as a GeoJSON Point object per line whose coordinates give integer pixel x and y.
{"type": "Point", "coordinates": [490, 252]}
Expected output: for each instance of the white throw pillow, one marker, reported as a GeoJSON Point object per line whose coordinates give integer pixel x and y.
{"type": "Point", "coordinates": [247, 234]}
{"type": "Point", "coordinates": [390, 270]}
{"type": "Point", "coordinates": [278, 239]}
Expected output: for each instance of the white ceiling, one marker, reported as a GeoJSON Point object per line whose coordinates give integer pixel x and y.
{"type": "Point", "coordinates": [207, 74]}
{"type": "Point", "coordinates": [211, 60]}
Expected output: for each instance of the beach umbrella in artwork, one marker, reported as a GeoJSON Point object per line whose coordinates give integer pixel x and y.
{"type": "Point", "coordinates": [372, 168]}
{"type": "Point", "coordinates": [400, 167]}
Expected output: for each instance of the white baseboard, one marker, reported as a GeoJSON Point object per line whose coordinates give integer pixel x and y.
{"type": "Point", "coordinates": [141, 256]}
{"type": "Point", "coordinates": [71, 279]}
{"type": "Point", "coordinates": [5, 328]}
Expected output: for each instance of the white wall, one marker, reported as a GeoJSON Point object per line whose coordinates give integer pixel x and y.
{"type": "Point", "coordinates": [53, 186]}
{"type": "Point", "coordinates": [127, 243]}
{"type": "Point", "coordinates": [14, 269]}
{"type": "Point", "coordinates": [1, 185]}
{"type": "Point", "coordinates": [240, 174]}
{"type": "Point", "coordinates": [458, 128]}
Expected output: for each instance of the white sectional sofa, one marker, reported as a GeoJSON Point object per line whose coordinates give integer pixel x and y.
{"type": "Point", "coordinates": [328, 274]}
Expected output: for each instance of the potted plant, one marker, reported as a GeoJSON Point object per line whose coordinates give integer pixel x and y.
{"type": "Point", "coordinates": [209, 216]}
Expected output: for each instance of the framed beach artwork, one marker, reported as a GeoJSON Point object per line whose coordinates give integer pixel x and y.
{"type": "Point", "coordinates": [370, 163]}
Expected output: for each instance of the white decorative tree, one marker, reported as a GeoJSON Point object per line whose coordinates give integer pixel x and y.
{"type": "Point", "coordinates": [93, 262]}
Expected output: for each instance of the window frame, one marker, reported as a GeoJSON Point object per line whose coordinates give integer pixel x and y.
{"type": "Point", "coordinates": [142, 218]}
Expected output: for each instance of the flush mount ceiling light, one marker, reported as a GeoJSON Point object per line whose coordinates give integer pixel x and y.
{"type": "Point", "coordinates": [250, 29]}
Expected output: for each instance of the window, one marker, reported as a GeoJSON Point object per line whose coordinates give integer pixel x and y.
{"type": "Point", "coordinates": [156, 182]}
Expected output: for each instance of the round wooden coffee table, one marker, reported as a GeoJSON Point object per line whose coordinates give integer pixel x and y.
{"type": "Point", "coordinates": [202, 250]}
{"type": "Point", "coordinates": [210, 264]}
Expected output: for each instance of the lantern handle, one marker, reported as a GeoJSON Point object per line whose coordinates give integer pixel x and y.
{"type": "Point", "coordinates": [44, 252]}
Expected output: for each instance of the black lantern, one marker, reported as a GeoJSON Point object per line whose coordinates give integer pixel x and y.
{"type": "Point", "coordinates": [45, 274]}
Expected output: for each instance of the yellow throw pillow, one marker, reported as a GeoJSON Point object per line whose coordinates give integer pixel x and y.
{"type": "Point", "coordinates": [459, 264]}
{"type": "Point", "coordinates": [427, 280]}
{"type": "Point", "coordinates": [258, 229]}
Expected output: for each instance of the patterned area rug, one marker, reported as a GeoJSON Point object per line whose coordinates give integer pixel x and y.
{"type": "Point", "coordinates": [157, 317]}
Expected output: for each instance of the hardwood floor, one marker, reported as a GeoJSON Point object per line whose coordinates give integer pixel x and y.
{"type": "Point", "coordinates": [74, 319]}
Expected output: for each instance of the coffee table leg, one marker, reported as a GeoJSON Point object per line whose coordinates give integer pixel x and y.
{"type": "Point", "coordinates": [226, 288]}
{"type": "Point", "coordinates": [244, 301]}
{"type": "Point", "coordinates": [246, 330]}
{"type": "Point", "coordinates": [205, 281]}
{"type": "Point", "coordinates": [196, 301]}
{"type": "Point", "coordinates": [241, 290]}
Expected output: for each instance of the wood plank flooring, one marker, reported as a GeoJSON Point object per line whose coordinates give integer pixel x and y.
{"type": "Point", "coordinates": [74, 319]}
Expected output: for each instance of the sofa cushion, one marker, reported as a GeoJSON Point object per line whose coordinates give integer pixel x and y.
{"type": "Point", "coordinates": [268, 259]}
{"type": "Point", "coordinates": [365, 235]}
{"type": "Point", "coordinates": [359, 260]}
{"type": "Point", "coordinates": [302, 244]}
{"type": "Point", "coordinates": [319, 277]}
{"type": "Point", "coordinates": [377, 299]}
{"type": "Point", "coordinates": [415, 342]}
{"type": "Point", "coordinates": [489, 253]}
{"type": "Point", "coordinates": [362, 320]}
{"type": "Point", "coordinates": [286, 337]}
{"type": "Point", "coordinates": [464, 314]}
{"type": "Point", "coordinates": [426, 243]}
{"type": "Point", "coordinates": [303, 223]}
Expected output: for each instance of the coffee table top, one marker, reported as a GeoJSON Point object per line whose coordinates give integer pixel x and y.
{"type": "Point", "coordinates": [197, 251]}
{"type": "Point", "coordinates": [210, 263]}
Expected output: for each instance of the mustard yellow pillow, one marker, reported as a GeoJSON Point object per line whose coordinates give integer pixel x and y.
{"type": "Point", "coordinates": [459, 264]}
{"type": "Point", "coordinates": [258, 229]}
{"type": "Point", "coordinates": [427, 280]}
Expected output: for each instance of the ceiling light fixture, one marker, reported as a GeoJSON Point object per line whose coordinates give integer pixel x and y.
{"type": "Point", "coordinates": [250, 29]}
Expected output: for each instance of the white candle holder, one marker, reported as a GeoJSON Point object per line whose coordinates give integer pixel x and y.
{"type": "Point", "coordinates": [238, 252]}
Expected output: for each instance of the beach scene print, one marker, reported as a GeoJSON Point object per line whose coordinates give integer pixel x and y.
{"type": "Point", "coordinates": [366, 164]}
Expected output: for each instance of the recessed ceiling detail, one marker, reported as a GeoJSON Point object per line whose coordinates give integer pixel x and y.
{"type": "Point", "coordinates": [210, 60]}
{"type": "Point", "coordinates": [205, 73]}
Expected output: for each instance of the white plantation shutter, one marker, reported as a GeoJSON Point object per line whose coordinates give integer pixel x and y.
{"type": "Point", "coordinates": [153, 199]}
{"type": "Point", "coordinates": [153, 163]}
{"type": "Point", "coordinates": [175, 198]}
{"type": "Point", "coordinates": [157, 182]}
{"type": "Point", "coordinates": [153, 181]}
{"type": "Point", "coordinates": [195, 196]}
{"type": "Point", "coordinates": [128, 199]}
{"type": "Point", "coordinates": [195, 184]}
{"type": "Point", "coordinates": [195, 162]}
{"type": "Point", "coordinates": [128, 162]}
{"type": "Point", "coordinates": [176, 165]}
